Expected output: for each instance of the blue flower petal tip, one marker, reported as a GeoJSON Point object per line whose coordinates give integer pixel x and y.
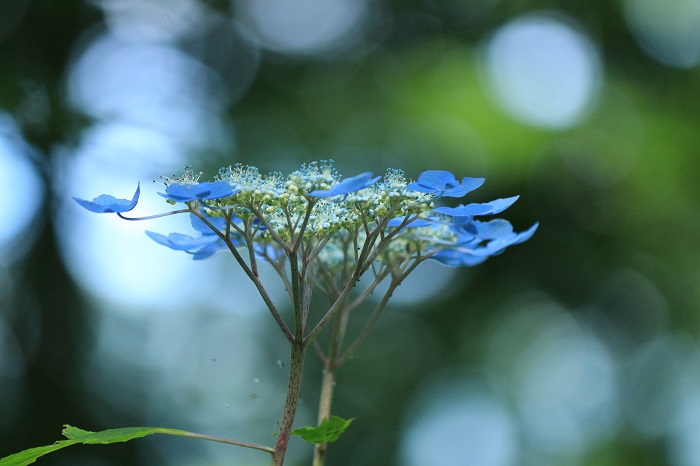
{"type": "Point", "coordinates": [106, 204]}
{"type": "Point", "coordinates": [443, 183]}
{"type": "Point", "coordinates": [468, 211]}
{"type": "Point", "coordinates": [180, 242]}
{"type": "Point", "coordinates": [491, 239]}
{"type": "Point", "coordinates": [347, 186]}
{"type": "Point", "coordinates": [207, 191]}
{"type": "Point", "coordinates": [415, 221]}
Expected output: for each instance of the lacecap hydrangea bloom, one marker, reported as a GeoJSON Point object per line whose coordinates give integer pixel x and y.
{"type": "Point", "coordinates": [319, 230]}
{"type": "Point", "coordinates": [335, 222]}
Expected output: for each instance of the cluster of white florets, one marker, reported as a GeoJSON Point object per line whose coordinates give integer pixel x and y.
{"type": "Point", "coordinates": [188, 177]}
{"type": "Point", "coordinates": [390, 197]}
{"type": "Point", "coordinates": [313, 176]}
{"type": "Point", "coordinates": [282, 204]}
{"type": "Point", "coordinates": [415, 241]}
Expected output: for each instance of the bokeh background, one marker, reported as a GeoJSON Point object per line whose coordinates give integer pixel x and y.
{"type": "Point", "coordinates": [580, 347]}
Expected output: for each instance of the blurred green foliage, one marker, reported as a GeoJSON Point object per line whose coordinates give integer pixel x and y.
{"type": "Point", "coordinates": [616, 195]}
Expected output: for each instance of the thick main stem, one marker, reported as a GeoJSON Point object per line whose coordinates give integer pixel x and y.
{"type": "Point", "coordinates": [296, 368]}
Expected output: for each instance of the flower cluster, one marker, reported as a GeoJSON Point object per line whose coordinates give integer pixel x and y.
{"type": "Point", "coordinates": [340, 226]}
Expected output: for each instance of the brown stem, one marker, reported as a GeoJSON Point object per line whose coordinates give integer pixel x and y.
{"type": "Point", "coordinates": [296, 368]}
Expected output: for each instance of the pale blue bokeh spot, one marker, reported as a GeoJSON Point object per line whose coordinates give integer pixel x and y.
{"type": "Point", "coordinates": [543, 70]}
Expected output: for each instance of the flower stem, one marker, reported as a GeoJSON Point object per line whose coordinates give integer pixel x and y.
{"type": "Point", "coordinates": [324, 411]}
{"type": "Point", "coordinates": [331, 364]}
{"type": "Point", "coordinates": [296, 368]}
{"type": "Point", "coordinates": [238, 443]}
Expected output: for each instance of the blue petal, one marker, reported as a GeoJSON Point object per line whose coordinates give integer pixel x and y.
{"type": "Point", "coordinates": [498, 245]}
{"type": "Point", "coordinates": [525, 235]}
{"type": "Point", "coordinates": [456, 258]}
{"type": "Point", "coordinates": [467, 237]}
{"type": "Point", "coordinates": [348, 185]}
{"type": "Point", "coordinates": [444, 183]}
{"type": "Point", "coordinates": [219, 189]}
{"type": "Point", "coordinates": [495, 229]}
{"type": "Point", "coordinates": [417, 222]}
{"type": "Point", "coordinates": [199, 225]}
{"type": "Point", "coordinates": [464, 211]}
{"type": "Point", "coordinates": [160, 239]}
{"type": "Point", "coordinates": [499, 205]}
{"type": "Point", "coordinates": [470, 184]}
{"type": "Point", "coordinates": [187, 192]}
{"type": "Point", "coordinates": [432, 181]}
{"type": "Point", "coordinates": [106, 204]}
{"type": "Point", "coordinates": [180, 242]}
{"type": "Point", "coordinates": [471, 253]}
{"type": "Point", "coordinates": [208, 251]}
{"type": "Point", "coordinates": [461, 189]}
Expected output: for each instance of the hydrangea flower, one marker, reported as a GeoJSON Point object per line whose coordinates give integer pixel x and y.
{"type": "Point", "coordinates": [313, 209]}
{"type": "Point", "coordinates": [188, 192]}
{"type": "Point", "coordinates": [491, 238]}
{"type": "Point", "coordinates": [182, 242]}
{"type": "Point", "coordinates": [468, 211]}
{"type": "Point", "coordinates": [410, 221]}
{"type": "Point", "coordinates": [106, 204]}
{"type": "Point", "coordinates": [444, 183]}
{"type": "Point", "coordinates": [201, 247]}
{"type": "Point", "coordinates": [348, 185]}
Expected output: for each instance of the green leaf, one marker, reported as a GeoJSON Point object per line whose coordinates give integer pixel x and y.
{"type": "Point", "coordinates": [123, 434]}
{"type": "Point", "coordinates": [29, 456]}
{"type": "Point", "coordinates": [328, 431]}
{"type": "Point", "coordinates": [75, 436]}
